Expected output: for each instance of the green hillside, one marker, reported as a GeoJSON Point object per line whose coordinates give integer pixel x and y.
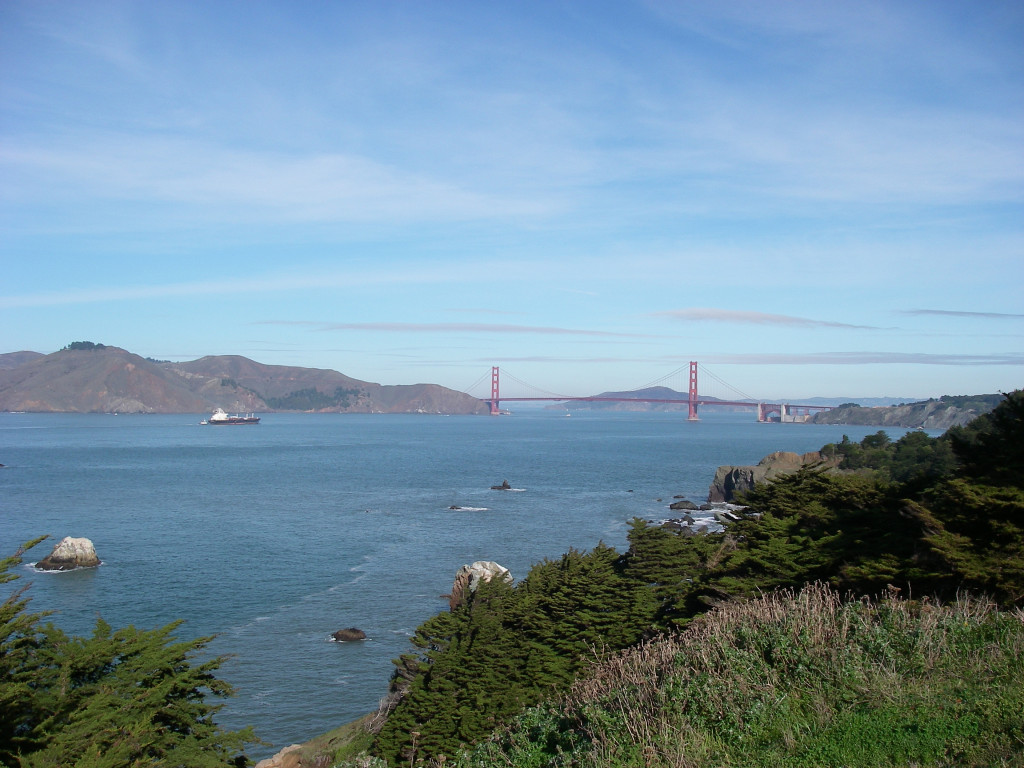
{"type": "Point", "coordinates": [916, 534]}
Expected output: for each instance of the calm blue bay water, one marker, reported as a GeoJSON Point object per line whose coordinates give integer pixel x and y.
{"type": "Point", "coordinates": [273, 536]}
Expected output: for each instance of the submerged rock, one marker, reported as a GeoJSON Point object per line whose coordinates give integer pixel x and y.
{"type": "Point", "coordinates": [69, 554]}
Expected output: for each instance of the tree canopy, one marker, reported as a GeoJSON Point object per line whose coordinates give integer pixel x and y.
{"type": "Point", "coordinates": [119, 698]}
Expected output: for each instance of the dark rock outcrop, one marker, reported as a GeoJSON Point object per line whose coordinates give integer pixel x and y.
{"type": "Point", "coordinates": [69, 554]}
{"type": "Point", "coordinates": [730, 480]}
{"type": "Point", "coordinates": [348, 635]}
{"type": "Point", "coordinates": [684, 504]}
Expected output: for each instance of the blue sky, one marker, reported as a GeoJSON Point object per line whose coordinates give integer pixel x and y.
{"type": "Point", "coordinates": [809, 198]}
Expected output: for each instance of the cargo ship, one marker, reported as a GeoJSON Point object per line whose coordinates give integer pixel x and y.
{"type": "Point", "coordinates": [220, 417]}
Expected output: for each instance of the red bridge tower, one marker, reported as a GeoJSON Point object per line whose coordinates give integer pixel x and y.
{"type": "Point", "coordinates": [495, 410]}
{"type": "Point", "coordinates": [693, 393]}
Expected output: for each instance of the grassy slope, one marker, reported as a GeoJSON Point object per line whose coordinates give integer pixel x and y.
{"type": "Point", "coordinates": [793, 679]}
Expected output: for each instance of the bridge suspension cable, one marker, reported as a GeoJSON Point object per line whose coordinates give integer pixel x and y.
{"type": "Point", "coordinates": [678, 372]}
{"type": "Point", "coordinates": [556, 395]}
{"type": "Point", "coordinates": [478, 383]}
{"type": "Point", "coordinates": [671, 379]}
{"type": "Point", "coordinates": [727, 385]}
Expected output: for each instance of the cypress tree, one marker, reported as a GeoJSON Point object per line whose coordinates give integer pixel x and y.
{"type": "Point", "coordinates": [118, 698]}
{"type": "Point", "coordinates": [20, 639]}
{"type": "Point", "coordinates": [510, 647]}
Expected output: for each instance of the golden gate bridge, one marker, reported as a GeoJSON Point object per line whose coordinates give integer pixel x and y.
{"type": "Point", "coordinates": [785, 412]}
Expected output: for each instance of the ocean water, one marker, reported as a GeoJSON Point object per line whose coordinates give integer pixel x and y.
{"type": "Point", "coordinates": [271, 537]}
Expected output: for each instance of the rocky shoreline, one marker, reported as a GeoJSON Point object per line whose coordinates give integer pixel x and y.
{"type": "Point", "coordinates": [713, 515]}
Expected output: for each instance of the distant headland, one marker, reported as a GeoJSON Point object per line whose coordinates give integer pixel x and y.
{"type": "Point", "coordinates": [85, 377]}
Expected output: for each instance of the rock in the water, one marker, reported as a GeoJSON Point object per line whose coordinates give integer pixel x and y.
{"type": "Point", "coordinates": [348, 635]}
{"type": "Point", "coordinates": [69, 554]}
{"type": "Point", "coordinates": [469, 576]}
{"type": "Point", "coordinates": [682, 505]}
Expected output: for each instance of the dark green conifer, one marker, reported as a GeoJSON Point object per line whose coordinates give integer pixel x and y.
{"type": "Point", "coordinates": [118, 698]}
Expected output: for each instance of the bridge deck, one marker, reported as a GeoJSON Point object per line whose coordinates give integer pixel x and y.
{"type": "Point", "coordinates": [680, 401]}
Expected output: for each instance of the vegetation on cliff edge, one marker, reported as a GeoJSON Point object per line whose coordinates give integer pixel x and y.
{"type": "Point", "coordinates": [934, 528]}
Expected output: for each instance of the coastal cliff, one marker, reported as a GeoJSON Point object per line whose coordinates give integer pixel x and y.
{"type": "Point", "coordinates": [943, 413]}
{"type": "Point", "coordinates": [731, 480]}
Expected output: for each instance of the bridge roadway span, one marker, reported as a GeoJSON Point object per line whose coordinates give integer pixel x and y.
{"type": "Point", "coordinates": [785, 411]}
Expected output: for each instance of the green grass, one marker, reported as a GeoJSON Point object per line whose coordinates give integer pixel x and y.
{"type": "Point", "coordinates": [793, 679]}
{"type": "Point", "coordinates": [346, 745]}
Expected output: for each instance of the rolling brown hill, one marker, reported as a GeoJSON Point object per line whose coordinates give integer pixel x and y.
{"type": "Point", "coordinates": [107, 379]}
{"type": "Point", "coordinates": [14, 359]}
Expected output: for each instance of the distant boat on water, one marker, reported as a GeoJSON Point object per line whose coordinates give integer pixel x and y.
{"type": "Point", "coordinates": [221, 417]}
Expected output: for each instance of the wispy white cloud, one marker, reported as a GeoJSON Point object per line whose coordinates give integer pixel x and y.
{"type": "Point", "coordinates": [955, 313]}
{"type": "Point", "coordinates": [786, 358]}
{"type": "Point", "coordinates": [746, 317]}
{"type": "Point", "coordinates": [99, 31]}
{"type": "Point", "coordinates": [867, 358]}
{"type": "Point", "coordinates": [840, 121]}
{"type": "Point", "coordinates": [221, 182]}
{"type": "Point", "coordinates": [480, 311]}
{"type": "Point", "coordinates": [530, 147]}
{"type": "Point", "coordinates": [403, 328]}
{"type": "Point", "coordinates": [266, 283]}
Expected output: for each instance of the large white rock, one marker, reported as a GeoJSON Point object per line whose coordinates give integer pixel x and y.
{"type": "Point", "coordinates": [469, 576]}
{"type": "Point", "coordinates": [70, 553]}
